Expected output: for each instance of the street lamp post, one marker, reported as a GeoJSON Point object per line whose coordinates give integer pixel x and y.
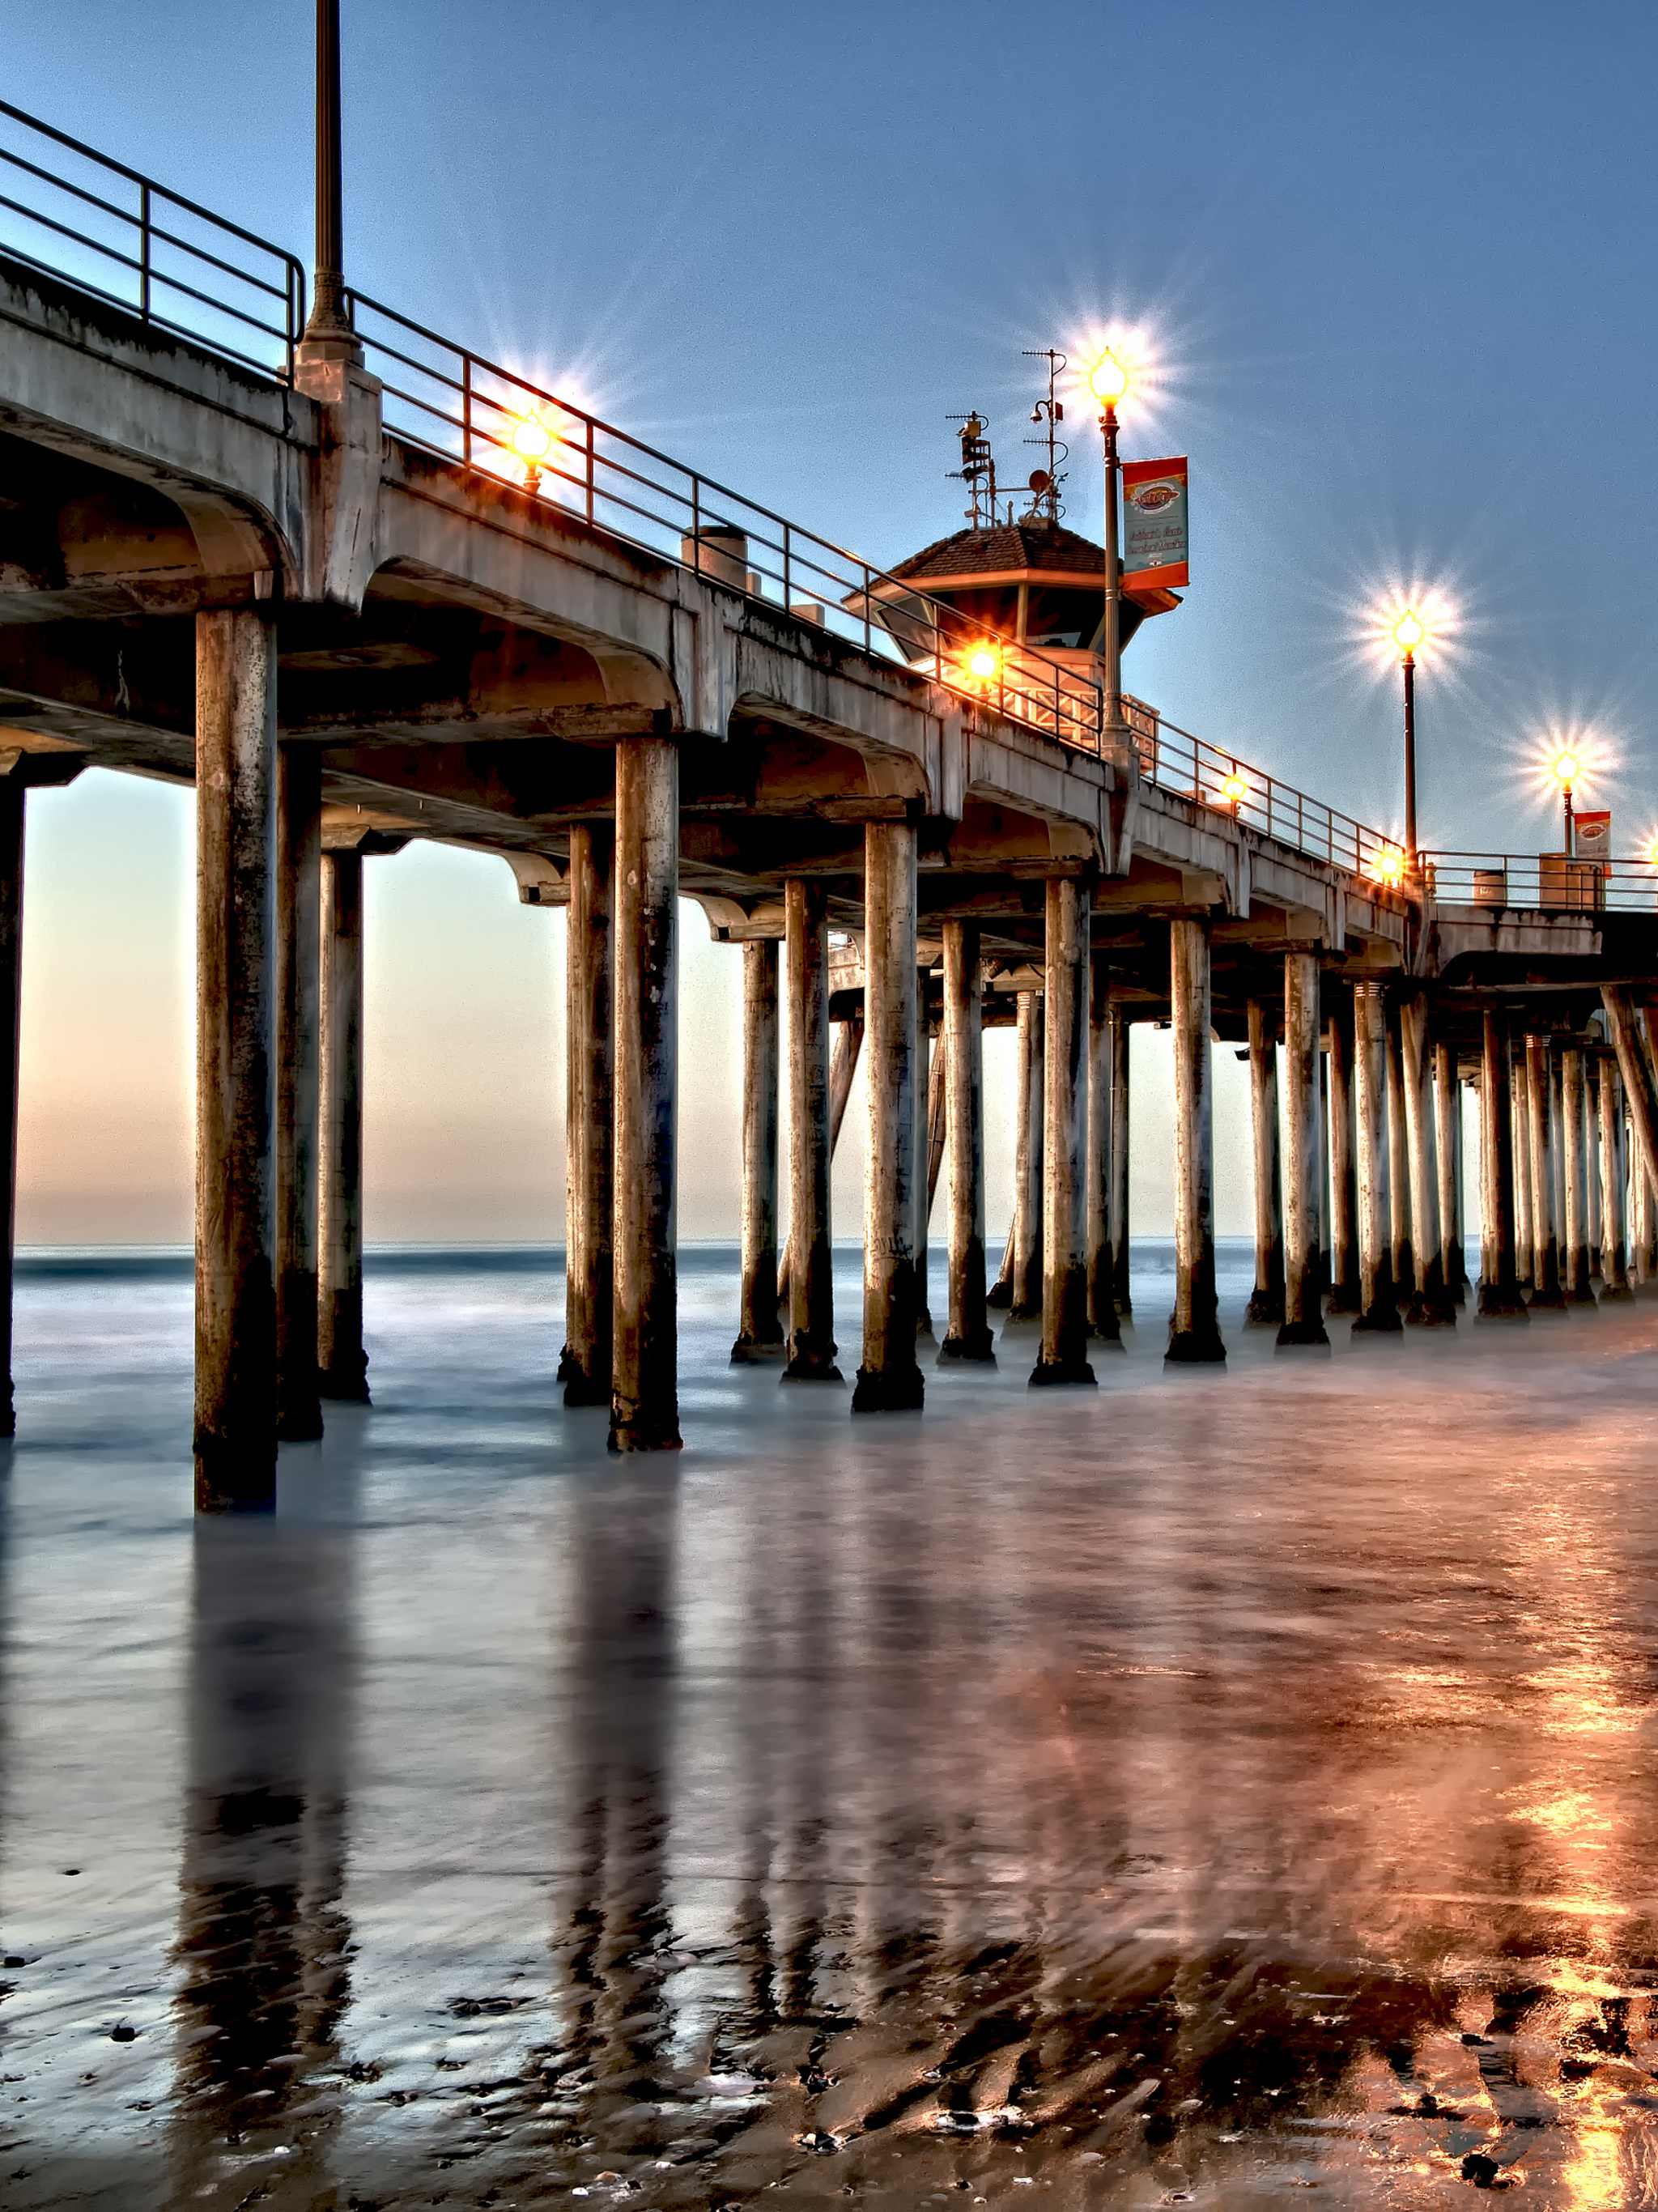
{"type": "Point", "coordinates": [1108, 383]}
{"type": "Point", "coordinates": [1566, 769]}
{"type": "Point", "coordinates": [1408, 634]}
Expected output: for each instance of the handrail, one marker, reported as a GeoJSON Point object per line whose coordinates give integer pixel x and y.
{"type": "Point", "coordinates": [162, 273]}
{"type": "Point", "coordinates": [456, 403]}
{"type": "Point", "coordinates": [1541, 882]}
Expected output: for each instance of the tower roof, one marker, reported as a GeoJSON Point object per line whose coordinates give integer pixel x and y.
{"type": "Point", "coordinates": [1011, 549]}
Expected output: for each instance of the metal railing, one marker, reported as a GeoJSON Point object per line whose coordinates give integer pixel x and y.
{"type": "Point", "coordinates": [181, 269]}
{"type": "Point", "coordinates": [130, 242]}
{"type": "Point", "coordinates": [1541, 882]}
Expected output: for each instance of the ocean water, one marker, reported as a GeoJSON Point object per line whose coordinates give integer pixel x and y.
{"type": "Point", "coordinates": [1211, 1787]}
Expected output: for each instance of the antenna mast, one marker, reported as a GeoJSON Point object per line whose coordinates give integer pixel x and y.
{"type": "Point", "coordinates": [1045, 484]}
{"type": "Point", "coordinates": [978, 469]}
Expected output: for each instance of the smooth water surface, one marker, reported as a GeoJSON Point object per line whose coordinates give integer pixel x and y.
{"type": "Point", "coordinates": [1210, 1789]}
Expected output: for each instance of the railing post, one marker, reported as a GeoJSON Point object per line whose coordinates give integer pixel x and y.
{"type": "Point", "coordinates": [144, 250]}
{"type": "Point", "coordinates": [589, 468]}
{"type": "Point", "coordinates": [787, 586]}
{"type": "Point", "coordinates": [466, 410]}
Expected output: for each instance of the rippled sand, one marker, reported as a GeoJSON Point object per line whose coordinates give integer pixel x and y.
{"type": "Point", "coordinates": [1213, 1789]}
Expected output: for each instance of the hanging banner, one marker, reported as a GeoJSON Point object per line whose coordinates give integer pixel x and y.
{"type": "Point", "coordinates": [1592, 836]}
{"type": "Point", "coordinates": [1155, 551]}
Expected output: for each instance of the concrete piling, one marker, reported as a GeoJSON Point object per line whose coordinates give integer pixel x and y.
{"type": "Point", "coordinates": [1398, 1175]}
{"type": "Point", "coordinates": [1302, 1322]}
{"type": "Point", "coordinates": [1266, 1306]}
{"type": "Point", "coordinates": [1431, 1302]}
{"type": "Point", "coordinates": [1448, 1156]}
{"type": "Point", "coordinates": [1614, 1217]}
{"type": "Point", "coordinates": [585, 1366]}
{"type": "Point", "coordinates": [1121, 1030]}
{"type": "Point", "coordinates": [759, 1332]}
{"type": "Point", "coordinates": [13, 806]}
{"type": "Point", "coordinates": [1346, 1295]}
{"type": "Point", "coordinates": [299, 1012]}
{"type": "Point", "coordinates": [1195, 1337]}
{"type": "Point", "coordinates": [811, 1294]}
{"type": "Point", "coordinates": [1574, 1150]}
{"type": "Point", "coordinates": [1103, 1320]}
{"type": "Point", "coordinates": [929, 1104]}
{"type": "Point", "coordinates": [644, 1373]}
{"type": "Point", "coordinates": [889, 1380]}
{"type": "Point", "coordinates": [235, 1430]}
{"type": "Point", "coordinates": [1378, 1301]}
{"type": "Point", "coordinates": [1524, 1195]}
{"type": "Point", "coordinates": [1030, 1130]}
{"type": "Point", "coordinates": [1547, 1295]}
{"type": "Point", "coordinates": [1499, 1298]}
{"type": "Point", "coordinates": [962, 1046]}
{"type": "Point", "coordinates": [1063, 1355]}
{"type": "Point", "coordinates": [342, 1362]}
{"type": "Point", "coordinates": [1557, 1163]}
{"type": "Point", "coordinates": [1324, 1277]}
{"type": "Point", "coordinates": [843, 1067]}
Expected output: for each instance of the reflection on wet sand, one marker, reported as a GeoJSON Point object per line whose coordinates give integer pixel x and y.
{"type": "Point", "coordinates": [1108, 1801]}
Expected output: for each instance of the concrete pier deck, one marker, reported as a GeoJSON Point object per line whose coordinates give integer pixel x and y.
{"type": "Point", "coordinates": [1190, 1790]}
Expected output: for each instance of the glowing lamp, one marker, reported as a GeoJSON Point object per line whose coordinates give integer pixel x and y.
{"type": "Point", "coordinates": [1389, 866]}
{"type": "Point", "coordinates": [983, 661]}
{"type": "Point", "coordinates": [532, 440]}
{"type": "Point", "coordinates": [1236, 788]}
{"type": "Point", "coordinates": [1565, 769]}
{"type": "Point", "coordinates": [1109, 380]}
{"type": "Point", "coordinates": [1408, 632]}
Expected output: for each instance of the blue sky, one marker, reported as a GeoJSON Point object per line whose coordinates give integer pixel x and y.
{"type": "Point", "coordinates": [1396, 265]}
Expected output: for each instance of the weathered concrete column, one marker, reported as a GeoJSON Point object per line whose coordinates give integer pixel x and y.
{"type": "Point", "coordinates": [13, 804]}
{"type": "Point", "coordinates": [1634, 1070]}
{"type": "Point", "coordinates": [929, 1092]}
{"type": "Point", "coordinates": [1029, 1129]}
{"type": "Point", "coordinates": [342, 1362]}
{"type": "Point", "coordinates": [1378, 1301]}
{"type": "Point", "coordinates": [1499, 1298]}
{"type": "Point", "coordinates": [1459, 1241]}
{"type": "Point", "coordinates": [1546, 1294]}
{"type": "Point", "coordinates": [1302, 1320]}
{"type": "Point", "coordinates": [760, 1333]}
{"type": "Point", "coordinates": [1487, 1181]}
{"type": "Point", "coordinates": [299, 995]}
{"type": "Point", "coordinates": [1064, 1356]}
{"type": "Point", "coordinates": [1430, 1301]}
{"type": "Point", "coordinates": [1103, 1320]}
{"type": "Point", "coordinates": [1121, 1031]}
{"type": "Point", "coordinates": [644, 1370]}
{"type": "Point", "coordinates": [962, 1048]}
{"type": "Point", "coordinates": [235, 1441]}
{"type": "Point", "coordinates": [889, 1381]}
{"type": "Point", "coordinates": [1520, 1115]}
{"type": "Point", "coordinates": [1592, 1178]}
{"type": "Point", "coordinates": [1614, 1218]}
{"type": "Point", "coordinates": [811, 1290]}
{"type": "Point", "coordinates": [1345, 1296]}
{"type": "Point", "coordinates": [584, 1367]}
{"type": "Point", "coordinates": [1267, 1303]}
{"type": "Point", "coordinates": [1448, 1147]}
{"type": "Point", "coordinates": [843, 1067]}
{"type": "Point", "coordinates": [1575, 1174]}
{"type": "Point", "coordinates": [1558, 1166]}
{"type": "Point", "coordinates": [1324, 1276]}
{"type": "Point", "coordinates": [1398, 1175]}
{"type": "Point", "coordinates": [1195, 1337]}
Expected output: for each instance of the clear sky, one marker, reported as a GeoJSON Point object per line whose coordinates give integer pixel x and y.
{"type": "Point", "coordinates": [1395, 266]}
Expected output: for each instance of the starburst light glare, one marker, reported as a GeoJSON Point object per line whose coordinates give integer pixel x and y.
{"type": "Point", "coordinates": [983, 662]}
{"type": "Point", "coordinates": [1408, 632]}
{"type": "Point", "coordinates": [1236, 788]}
{"type": "Point", "coordinates": [1567, 767]}
{"type": "Point", "coordinates": [1388, 866]}
{"type": "Point", "coordinates": [1109, 380]}
{"type": "Point", "coordinates": [532, 440]}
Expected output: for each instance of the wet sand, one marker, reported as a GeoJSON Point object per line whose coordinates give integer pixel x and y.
{"type": "Point", "coordinates": [1234, 1789]}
